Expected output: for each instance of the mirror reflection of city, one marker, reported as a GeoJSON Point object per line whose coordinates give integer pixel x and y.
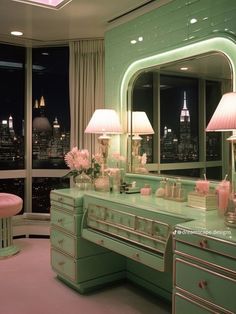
{"type": "Point", "coordinates": [178, 104]}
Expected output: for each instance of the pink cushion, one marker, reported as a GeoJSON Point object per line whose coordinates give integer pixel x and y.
{"type": "Point", "coordinates": [10, 204]}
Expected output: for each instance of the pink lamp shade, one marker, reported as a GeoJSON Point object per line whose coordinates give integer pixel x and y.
{"type": "Point", "coordinates": [224, 117]}
{"type": "Point", "coordinates": [140, 124]}
{"type": "Point", "coordinates": [104, 121]}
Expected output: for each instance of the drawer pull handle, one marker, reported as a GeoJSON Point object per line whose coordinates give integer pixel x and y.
{"type": "Point", "coordinates": [60, 199]}
{"type": "Point", "coordinates": [136, 256]}
{"type": "Point", "coordinates": [101, 242]}
{"type": "Point", "coordinates": [60, 241]}
{"type": "Point", "coordinates": [60, 220]}
{"type": "Point", "coordinates": [202, 284]}
{"type": "Point", "coordinates": [203, 244]}
{"type": "Point", "coordinates": [61, 263]}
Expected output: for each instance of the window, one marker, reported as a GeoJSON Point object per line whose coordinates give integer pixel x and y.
{"type": "Point", "coordinates": [49, 138]}
{"type": "Point", "coordinates": [41, 188]}
{"type": "Point", "coordinates": [51, 112]}
{"type": "Point", "coordinates": [12, 87]}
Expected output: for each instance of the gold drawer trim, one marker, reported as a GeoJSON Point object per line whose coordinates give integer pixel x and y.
{"type": "Point", "coordinates": [227, 270]}
{"type": "Point", "coordinates": [136, 221]}
{"type": "Point", "coordinates": [194, 296]}
{"type": "Point", "coordinates": [61, 263]}
{"type": "Point", "coordinates": [205, 247]}
{"type": "Point", "coordinates": [130, 230]}
{"type": "Point", "coordinates": [192, 300]}
{"type": "Point", "coordinates": [211, 306]}
{"type": "Point", "coordinates": [201, 268]}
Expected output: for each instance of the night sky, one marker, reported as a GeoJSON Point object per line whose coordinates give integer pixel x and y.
{"type": "Point", "coordinates": [51, 81]}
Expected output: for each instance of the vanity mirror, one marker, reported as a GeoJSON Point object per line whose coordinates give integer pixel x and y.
{"type": "Point", "coordinates": [179, 96]}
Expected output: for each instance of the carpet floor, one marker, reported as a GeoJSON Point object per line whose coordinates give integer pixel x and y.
{"type": "Point", "coordinates": [29, 286]}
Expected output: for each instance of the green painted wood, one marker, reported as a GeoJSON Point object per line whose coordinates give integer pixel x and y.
{"type": "Point", "coordinates": [189, 276]}
{"type": "Point", "coordinates": [73, 245]}
{"type": "Point", "coordinates": [216, 259]}
{"type": "Point", "coordinates": [214, 17]}
{"type": "Point", "coordinates": [149, 278]}
{"type": "Point", "coordinates": [84, 269]}
{"type": "Point", "coordinates": [210, 226]}
{"type": "Point", "coordinates": [124, 248]}
{"type": "Point", "coordinates": [149, 286]}
{"type": "Point", "coordinates": [73, 198]}
{"type": "Point", "coordinates": [8, 251]}
{"type": "Point", "coordinates": [93, 284]}
{"type": "Point", "coordinates": [211, 246]}
{"type": "Point", "coordinates": [186, 306]}
{"type": "Point", "coordinates": [66, 221]}
{"type": "Point", "coordinates": [150, 207]}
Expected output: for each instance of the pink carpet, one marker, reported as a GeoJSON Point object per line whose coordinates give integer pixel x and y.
{"type": "Point", "coordinates": [29, 286]}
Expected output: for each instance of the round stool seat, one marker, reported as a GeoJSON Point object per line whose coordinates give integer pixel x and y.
{"type": "Point", "coordinates": [10, 205]}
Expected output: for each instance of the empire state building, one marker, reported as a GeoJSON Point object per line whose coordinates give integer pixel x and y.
{"type": "Point", "coordinates": [184, 131]}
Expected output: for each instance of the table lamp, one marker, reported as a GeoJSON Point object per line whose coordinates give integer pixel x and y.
{"type": "Point", "coordinates": [224, 119]}
{"type": "Point", "coordinates": [139, 124]}
{"type": "Point", "coordinates": [104, 122]}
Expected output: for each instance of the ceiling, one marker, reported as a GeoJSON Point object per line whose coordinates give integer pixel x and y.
{"type": "Point", "coordinates": [211, 65]}
{"type": "Point", "coordinates": [76, 20]}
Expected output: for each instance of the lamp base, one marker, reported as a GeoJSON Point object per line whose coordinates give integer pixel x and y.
{"type": "Point", "coordinates": [103, 141]}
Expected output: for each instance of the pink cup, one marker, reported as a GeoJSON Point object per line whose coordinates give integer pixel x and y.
{"type": "Point", "coordinates": [223, 190]}
{"type": "Point", "coordinates": [202, 186]}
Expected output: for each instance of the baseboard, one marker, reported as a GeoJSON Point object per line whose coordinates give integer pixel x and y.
{"type": "Point", "coordinates": [30, 224]}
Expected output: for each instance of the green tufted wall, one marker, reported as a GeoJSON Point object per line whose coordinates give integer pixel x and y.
{"type": "Point", "coordinates": [163, 29]}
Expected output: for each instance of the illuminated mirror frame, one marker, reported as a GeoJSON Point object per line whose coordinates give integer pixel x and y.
{"type": "Point", "coordinates": [223, 44]}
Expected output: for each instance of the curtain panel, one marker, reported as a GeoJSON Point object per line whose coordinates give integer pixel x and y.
{"type": "Point", "coordinates": [86, 89]}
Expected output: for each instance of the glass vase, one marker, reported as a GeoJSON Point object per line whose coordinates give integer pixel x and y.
{"type": "Point", "coordinates": [83, 182]}
{"type": "Point", "coordinates": [101, 183]}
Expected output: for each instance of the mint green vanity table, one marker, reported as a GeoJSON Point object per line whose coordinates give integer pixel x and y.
{"type": "Point", "coordinates": [204, 266]}
{"type": "Point", "coordinates": [98, 238]}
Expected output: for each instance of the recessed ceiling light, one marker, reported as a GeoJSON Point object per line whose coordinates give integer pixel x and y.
{"type": "Point", "coordinates": [140, 38]}
{"type": "Point", "coordinates": [16, 33]}
{"type": "Point", "coordinates": [52, 4]}
{"type": "Point", "coordinates": [184, 69]}
{"type": "Point", "coordinates": [133, 41]}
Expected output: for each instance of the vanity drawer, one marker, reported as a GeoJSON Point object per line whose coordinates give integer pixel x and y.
{"type": "Point", "coordinates": [91, 267]}
{"type": "Point", "coordinates": [206, 242]}
{"type": "Point", "coordinates": [205, 284]}
{"type": "Point", "coordinates": [184, 305]}
{"type": "Point", "coordinates": [208, 258]}
{"type": "Point", "coordinates": [68, 199]}
{"type": "Point", "coordinates": [132, 236]}
{"type": "Point", "coordinates": [66, 221]}
{"type": "Point", "coordinates": [73, 246]}
{"type": "Point", "coordinates": [155, 261]}
{"type": "Point", "coordinates": [130, 222]}
{"type": "Point", "coordinates": [141, 231]}
{"type": "Point", "coordinates": [66, 207]}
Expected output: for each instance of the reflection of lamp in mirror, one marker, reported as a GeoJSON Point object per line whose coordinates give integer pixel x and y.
{"type": "Point", "coordinates": [104, 121]}
{"type": "Point", "coordinates": [224, 119]}
{"type": "Point", "coordinates": [139, 124]}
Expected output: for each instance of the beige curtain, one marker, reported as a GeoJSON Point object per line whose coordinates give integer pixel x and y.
{"type": "Point", "coordinates": [86, 89]}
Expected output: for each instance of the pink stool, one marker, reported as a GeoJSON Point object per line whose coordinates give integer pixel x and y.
{"type": "Point", "coordinates": [10, 205]}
